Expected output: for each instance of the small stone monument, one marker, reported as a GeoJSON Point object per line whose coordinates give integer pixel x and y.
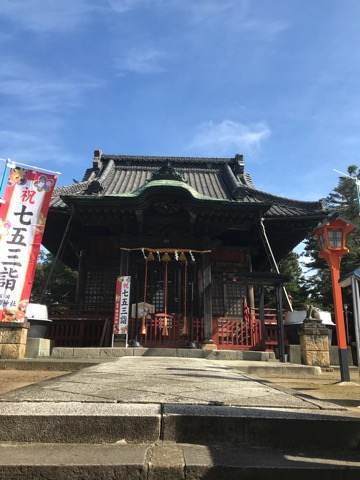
{"type": "Point", "coordinates": [314, 340]}
{"type": "Point", "coordinates": [13, 338]}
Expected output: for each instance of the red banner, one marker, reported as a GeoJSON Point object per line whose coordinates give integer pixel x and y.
{"type": "Point", "coordinates": [22, 223]}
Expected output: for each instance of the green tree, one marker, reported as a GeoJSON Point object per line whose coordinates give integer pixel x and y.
{"type": "Point", "coordinates": [62, 286]}
{"type": "Point", "coordinates": [343, 200]}
{"type": "Point", "coordinates": [290, 266]}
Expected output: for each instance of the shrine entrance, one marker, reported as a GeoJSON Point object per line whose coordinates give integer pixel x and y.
{"type": "Point", "coordinates": [173, 304]}
{"type": "Point", "coordinates": [166, 301]}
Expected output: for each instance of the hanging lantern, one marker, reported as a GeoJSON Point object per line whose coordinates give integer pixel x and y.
{"type": "Point", "coordinates": [166, 257]}
{"type": "Point", "coordinates": [158, 255]}
{"type": "Point", "coordinates": [182, 257]}
{"type": "Point", "coordinates": [165, 329]}
{"type": "Point", "coordinates": [150, 257]}
{"type": "Point", "coordinates": [143, 325]}
{"type": "Point", "coordinates": [176, 255]}
{"type": "Point", "coordinates": [192, 256]}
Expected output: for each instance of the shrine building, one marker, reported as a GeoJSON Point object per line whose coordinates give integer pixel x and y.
{"type": "Point", "coordinates": [200, 242]}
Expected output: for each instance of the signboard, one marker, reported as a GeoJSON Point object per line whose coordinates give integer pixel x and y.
{"type": "Point", "coordinates": [122, 304]}
{"type": "Point", "coordinates": [22, 222]}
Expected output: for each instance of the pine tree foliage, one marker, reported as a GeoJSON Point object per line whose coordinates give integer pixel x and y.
{"type": "Point", "coordinates": [63, 282]}
{"type": "Point", "coordinates": [343, 200]}
{"type": "Point", "coordinates": [290, 267]}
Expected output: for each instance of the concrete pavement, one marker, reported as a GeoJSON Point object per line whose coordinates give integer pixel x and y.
{"type": "Point", "coordinates": [163, 380]}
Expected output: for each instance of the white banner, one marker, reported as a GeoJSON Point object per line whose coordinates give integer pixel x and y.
{"type": "Point", "coordinates": [22, 222]}
{"type": "Point", "coordinates": [122, 304]}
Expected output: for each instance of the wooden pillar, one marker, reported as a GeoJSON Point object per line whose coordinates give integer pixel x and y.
{"type": "Point", "coordinates": [334, 265]}
{"type": "Point", "coordinates": [262, 316]}
{"type": "Point", "coordinates": [124, 263]}
{"type": "Point", "coordinates": [81, 280]}
{"type": "Point", "coordinates": [207, 304]}
{"type": "Point", "coordinates": [280, 322]}
{"type": "Point", "coordinates": [250, 288]}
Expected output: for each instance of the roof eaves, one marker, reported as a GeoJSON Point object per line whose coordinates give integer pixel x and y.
{"type": "Point", "coordinates": [159, 158]}
{"type": "Point", "coordinates": [284, 201]}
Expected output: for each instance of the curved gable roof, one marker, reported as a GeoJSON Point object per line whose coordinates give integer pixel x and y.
{"type": "Point", "coordinates": [206, 177]}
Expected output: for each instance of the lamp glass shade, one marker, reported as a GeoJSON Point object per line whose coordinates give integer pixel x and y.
{"type": "Point", "coordinates": [321, 241]}
{"type": "Point", "coordinates": [335, 238]}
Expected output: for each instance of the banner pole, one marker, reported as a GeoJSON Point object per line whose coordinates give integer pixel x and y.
{"type": "Point", "coordinates": [3, 178]}
{"type": "Point", "coordinates": [57, 256]}
{"type": "Point", "coordinates": [33, 167]}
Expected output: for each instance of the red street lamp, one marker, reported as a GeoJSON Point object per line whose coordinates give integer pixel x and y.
{"type": "Point", "coordinates": [332, 237]}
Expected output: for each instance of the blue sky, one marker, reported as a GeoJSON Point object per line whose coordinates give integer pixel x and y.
{"type": "Point", "coordinates": [276, 80]}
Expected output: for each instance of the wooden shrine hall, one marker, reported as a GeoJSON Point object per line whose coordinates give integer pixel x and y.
{"type": "Point", "coordinates": [198, 240]}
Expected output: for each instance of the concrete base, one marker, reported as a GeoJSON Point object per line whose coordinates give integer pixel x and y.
{"type": "Point", "coordinates": [37, 347]}
{"type": "Point", "coordinates": [120, 341]}
{"type": "Point", "coordinates": [13, 340]}
{"type": "Point", "coordinates": [294, 353]}
{"type": "Point", "coordinates": [108, 352]}
{"type": "Point", "coordinates": [276, 369]}
{"type": "Point", "coordinates": [208, 346]}
{"type": "Point", "coordinates": [314, 343]}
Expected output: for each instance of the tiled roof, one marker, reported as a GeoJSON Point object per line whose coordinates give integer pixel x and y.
{"type": "Point", "coordinates": [74, 189]}
{"type": "Point", "coordinates": [207, 182]}
{"type": "Point", "coordinates": [211, 178]}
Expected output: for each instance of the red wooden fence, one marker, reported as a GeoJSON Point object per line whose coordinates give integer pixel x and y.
{"type": "Point", "coordinates": [94, 330]}
{"type": "Point", "coordinates": [171, 335]}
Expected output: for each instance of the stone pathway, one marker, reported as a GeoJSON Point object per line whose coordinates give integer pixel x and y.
{"type": "Point", "coordinates": [167, 381]}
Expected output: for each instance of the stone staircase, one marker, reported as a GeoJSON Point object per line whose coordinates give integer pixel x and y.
{"type": "Point", "coordinates": [76, 440]}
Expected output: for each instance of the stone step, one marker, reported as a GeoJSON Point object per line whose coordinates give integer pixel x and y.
{"type": "Point", "coordinates": [277, 369]}
{"type": "Point", "coordinates": [77, 422]}
{"type": "Point", "coordinates": [261, 427]}
{"type": "Point", "coordinates": [171, 462]}
{"type": "Point", "coordinates": [108, 352]}
{"type": "Point", "coordinates": [261, 368]}
{"type": "Point", "coordinates": [109, 422]}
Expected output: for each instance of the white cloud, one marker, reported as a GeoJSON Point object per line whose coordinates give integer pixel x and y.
{"type": "Point", "coordinates": [140, 60]}
{"type": "Point", "coordinates": [43, 16]}
{"type": "Point", "coordinates": [206, 9]}
{"type": "Point", "coordinates": [33, 147]}
{"type": "Point", "coordinates": [199, 9]}
{"type": "Point", "coordinates": [32, 89]}
{"type": "Point", "coordinates": [33, 105]}
{"type": "Point", "coordinates": [268, 28]}
{"type": "Point", "coordinates": [63, 15]}
{"type": "Point", "coordinates": [49, 15]}
{"type": "Point", "coordinates": [227, 137]}
{"type": "Point", "coordinates": [121, 6]}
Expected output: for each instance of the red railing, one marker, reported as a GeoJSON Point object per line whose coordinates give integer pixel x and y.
{"type": "Point", "coordinates": [232, 333]}
{"type": "Point", "coordinates": [172, 334]}
{"type": "Point", "coordinates": [80, 329]}
{"type": "Point", "coordinates": [91, 329]}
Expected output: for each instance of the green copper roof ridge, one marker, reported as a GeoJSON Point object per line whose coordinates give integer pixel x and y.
{"type": "Point", "coordinates": [170, 183]}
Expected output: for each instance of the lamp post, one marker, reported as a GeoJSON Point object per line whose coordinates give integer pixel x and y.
{"type": "Point", "coordinates": [332, 237]}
